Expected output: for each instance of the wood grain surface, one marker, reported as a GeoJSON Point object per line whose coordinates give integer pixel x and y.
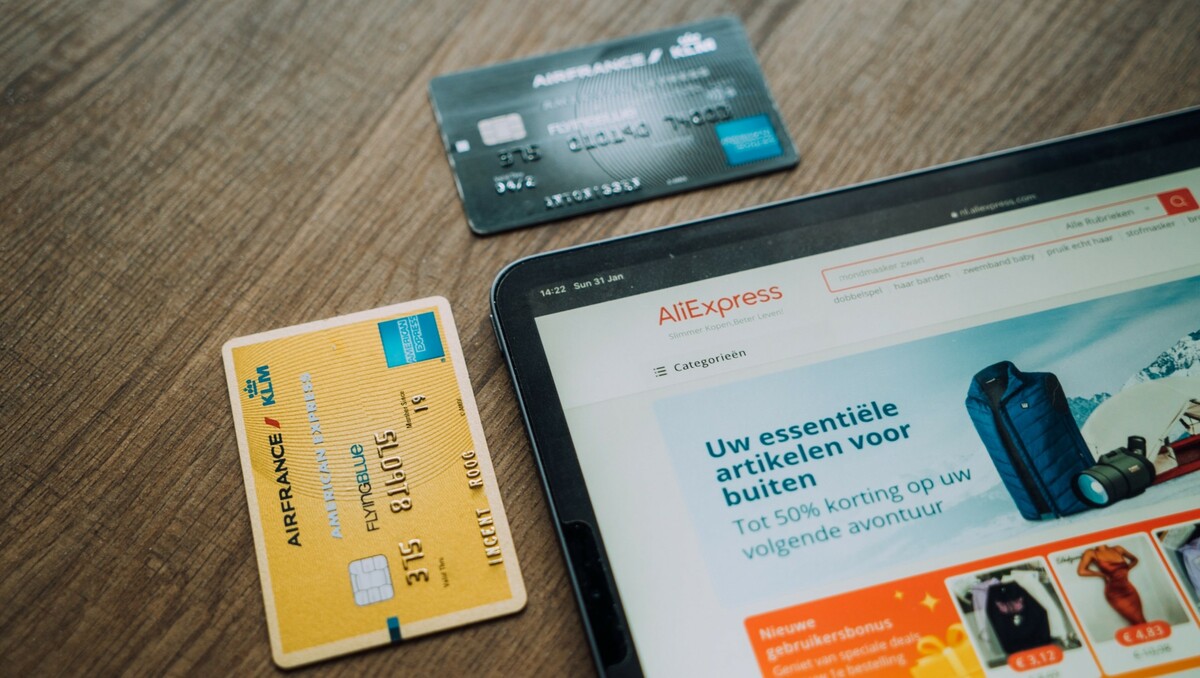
{"type": "Point", "coordinates": [174, 174]}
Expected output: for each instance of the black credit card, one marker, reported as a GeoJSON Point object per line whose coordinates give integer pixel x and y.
{"type": "Point", "coordinates": [584, 130]}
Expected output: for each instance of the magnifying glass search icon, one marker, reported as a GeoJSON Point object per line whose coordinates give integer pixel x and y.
{"type": "Point", "coordinates": [1178, 201]}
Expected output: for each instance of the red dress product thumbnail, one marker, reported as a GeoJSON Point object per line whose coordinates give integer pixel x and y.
{"type": "Point", "coordinates": [1114, 565]}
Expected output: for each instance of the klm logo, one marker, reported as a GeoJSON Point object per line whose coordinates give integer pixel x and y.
{"type": "Point", "coordinates": [692, 44]}
{"type": "Point", "coordinates": [261, 387]}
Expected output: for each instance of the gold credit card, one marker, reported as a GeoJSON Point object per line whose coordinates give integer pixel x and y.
{"type": "Point", "coordinates": [374, 506]}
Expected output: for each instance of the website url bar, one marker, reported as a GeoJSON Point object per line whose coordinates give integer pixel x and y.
{"type": "Point", "coordinates": [1008, 240]}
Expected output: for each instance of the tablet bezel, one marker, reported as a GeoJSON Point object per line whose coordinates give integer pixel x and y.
{"type": "Point", "coordinates": [761, 236]}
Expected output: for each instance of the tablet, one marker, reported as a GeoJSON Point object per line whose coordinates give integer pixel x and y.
{"type": "Point", "coordinates": [945, 423]}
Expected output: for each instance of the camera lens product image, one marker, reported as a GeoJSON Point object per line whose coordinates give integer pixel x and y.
{"type": "Point", "coordinates": [1122, 473]}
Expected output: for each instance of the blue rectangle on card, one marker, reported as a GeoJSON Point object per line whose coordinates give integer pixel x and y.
{"type": "Point", "coordinates": [393, 624]}
{"type": "Point", "coordinates": [411, 339]}
{"type": "Point", "coordinates": [748, 140]}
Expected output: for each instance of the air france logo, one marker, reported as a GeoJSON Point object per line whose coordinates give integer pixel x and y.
{"type": "Point", "coordinates": [582, 71]}
{"type": "Point", "coordinates": [692, 44]}
{"type": "Point", "coordinates": [695, 308]}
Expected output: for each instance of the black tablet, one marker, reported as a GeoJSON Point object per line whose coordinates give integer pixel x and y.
{"type": "Point", "coordinates": [944, 423]}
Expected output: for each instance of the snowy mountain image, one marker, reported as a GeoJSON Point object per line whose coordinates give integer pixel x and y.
{"type": "Point", "coordinates": [1182, 359]}
{"type": "Point", "coordinates": [1081, 408]}
{"type": "Point", "coordinates": [1148, 405]}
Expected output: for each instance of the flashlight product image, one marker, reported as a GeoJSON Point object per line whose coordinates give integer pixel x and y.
{"type": "Point", "coordinates": [1122, 473]}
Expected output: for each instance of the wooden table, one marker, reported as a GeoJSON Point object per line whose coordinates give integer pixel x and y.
{"type": "Point", "coordinates": [174, 174]}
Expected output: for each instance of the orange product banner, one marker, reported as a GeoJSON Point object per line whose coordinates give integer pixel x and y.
{"type": "Point", "coordinates": [914, 627]}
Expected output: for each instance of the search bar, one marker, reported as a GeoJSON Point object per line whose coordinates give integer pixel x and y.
{"type": "Point", "coordinates": [1008, 240]}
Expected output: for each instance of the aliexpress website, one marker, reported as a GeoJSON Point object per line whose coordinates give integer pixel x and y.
{"type": "Point", "coordinates": [890, 459]}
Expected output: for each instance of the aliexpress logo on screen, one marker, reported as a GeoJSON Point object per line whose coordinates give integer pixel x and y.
{"type": "Point", "coordinates": [695, 308]}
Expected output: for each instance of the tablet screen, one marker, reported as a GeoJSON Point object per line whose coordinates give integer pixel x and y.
{"type": "Point", "coordinates": [963, 440]}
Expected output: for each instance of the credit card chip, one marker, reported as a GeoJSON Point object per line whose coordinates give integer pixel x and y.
{"type": "Point", "coordinates": [371, 580]}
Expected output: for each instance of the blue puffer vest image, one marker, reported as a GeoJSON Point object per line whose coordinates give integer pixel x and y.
{"type": "Point", "coordinates": [1025, 423]}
